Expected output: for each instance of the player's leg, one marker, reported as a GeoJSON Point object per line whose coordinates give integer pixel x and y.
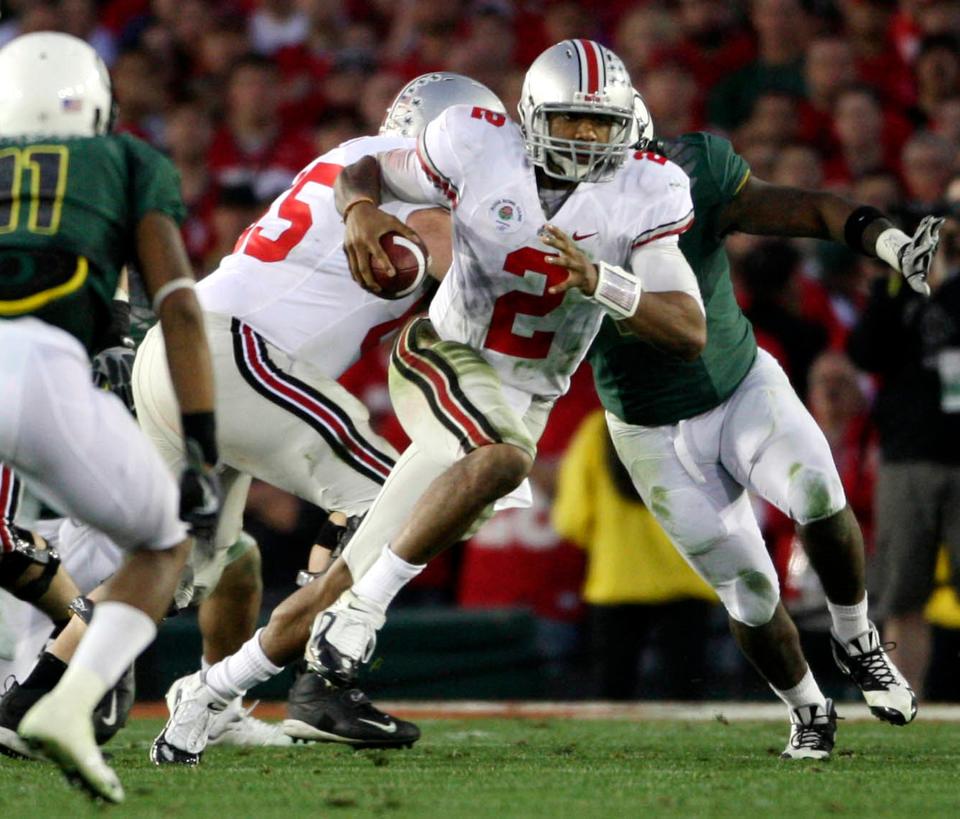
{"type": "Point", "coordinates": [227, 618]}
{"type": "Point", "coordinates": [708, 517]}
{"type": "Point", "coordinates": [29, 569]}
{"type": "Point", "coordinates": [90, 557]}
{"type": "Point", "coordinates": [82, 452]}
{"type": "Point", "coordinates": [771, 444]}
{"type": "Point", "coordinates": [453, 407]}
{"type": "Point", "coordinates": [289, 425]}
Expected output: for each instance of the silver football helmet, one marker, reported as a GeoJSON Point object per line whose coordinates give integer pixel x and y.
{"type": "Point", "coordinates": [53, 84]}
{"type": "Point", "coordinates": [577, 77]}
{"type": "Point", "coordinates": [642, 123]}
{"type": "Point", "coordinates": [429, 95]}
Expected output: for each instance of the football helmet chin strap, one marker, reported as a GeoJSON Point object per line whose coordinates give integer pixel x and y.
{"type": "Point", "coordinates": [26, 553]}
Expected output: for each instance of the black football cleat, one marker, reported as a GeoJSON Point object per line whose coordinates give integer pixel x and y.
{"type": "Point", "coordinates": [321, 712]}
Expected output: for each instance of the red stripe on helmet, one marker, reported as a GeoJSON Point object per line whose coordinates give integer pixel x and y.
{"type": "Point", "coordinates": [592, 53]}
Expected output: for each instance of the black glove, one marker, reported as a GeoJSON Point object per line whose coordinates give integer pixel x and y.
{"type": "Point", "coordinates": [200, 494]}
{"type": "Point", "coordinates": [113, 371]}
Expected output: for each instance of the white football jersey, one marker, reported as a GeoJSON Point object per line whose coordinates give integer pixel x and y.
{"type": "Point", "coordinates": [288, 276]}
{"type": "Point", "coordinates": [495, 297]}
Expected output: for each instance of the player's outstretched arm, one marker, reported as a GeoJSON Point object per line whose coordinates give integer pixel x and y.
{"type": "Point", "coordinates": [169, 280]}
{"type": "Point", "coordinates": [775, 210]}
{"type": "Point", "coordinates": [670, 319]}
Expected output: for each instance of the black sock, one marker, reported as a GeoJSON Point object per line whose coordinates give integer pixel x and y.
{"type": "Point", "coordinates": [58, 626]}
{"type": "Point", "coordinates": [46, 673]}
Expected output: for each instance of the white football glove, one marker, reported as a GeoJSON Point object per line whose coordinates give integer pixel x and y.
{"type": "Point", "coordinates": [916, 257]}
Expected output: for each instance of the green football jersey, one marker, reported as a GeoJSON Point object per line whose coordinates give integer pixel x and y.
{"type": "Point", "coordinates": [69, 210]}
{"type": "Point", "coordinates": [642, 385]}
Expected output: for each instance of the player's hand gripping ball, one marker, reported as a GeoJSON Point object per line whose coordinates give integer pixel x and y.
{"type": "Point", "coordinates": [409, 260]}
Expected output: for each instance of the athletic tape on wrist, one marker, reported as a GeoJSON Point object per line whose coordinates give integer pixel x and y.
{"type": "Point", "coordinates": [618, 291]}
{"type": "Point", "coordinates": [890, 244]}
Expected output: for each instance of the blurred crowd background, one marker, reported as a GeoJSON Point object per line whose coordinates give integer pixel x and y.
{"type": "Point", "coordinates": [858, 96]}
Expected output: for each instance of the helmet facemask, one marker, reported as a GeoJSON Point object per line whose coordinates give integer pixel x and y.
{"type": "Point", "coordinates": [575, 160]}
{"type": "Point", "coordinates": [577, 78]}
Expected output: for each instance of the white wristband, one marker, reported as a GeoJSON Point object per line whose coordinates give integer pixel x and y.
{"type": "Point", "coordinates": [618, 291]}
{"type": "Point", "coordinates": [889, 245]}
{"type": "Point", "coordinates": [183, 283]}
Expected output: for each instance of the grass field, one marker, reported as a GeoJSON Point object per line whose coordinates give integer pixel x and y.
{"type": "Point", "coordinates": [488, 767]}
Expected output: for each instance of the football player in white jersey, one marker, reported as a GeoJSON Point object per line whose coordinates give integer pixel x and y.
{"type": "Point", "coordinates": [556, 223]}
{"type": "Point", "coordinates": [285, 319]}
{"type": "Point", "coordinates": [514, 317]}
{"type": "Point", "coordinates": [548, 217]}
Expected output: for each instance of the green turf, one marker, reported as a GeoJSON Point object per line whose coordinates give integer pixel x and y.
{"type": "Point", "coordinates": [523, 768]}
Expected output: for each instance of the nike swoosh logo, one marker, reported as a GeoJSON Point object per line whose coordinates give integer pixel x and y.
{"type": "Point", "coordinates": [387, 729]}
{"type": "Point", "coordinates": [111, 717]}
{"type": "Point", "coordinates": [578, 236]}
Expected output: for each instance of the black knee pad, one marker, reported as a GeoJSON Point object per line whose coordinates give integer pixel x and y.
{"type": "Point", "coordinates": [25, 554]}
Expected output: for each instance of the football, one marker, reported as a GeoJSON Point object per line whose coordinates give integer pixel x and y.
{"type": "Point", "coordinates": [409, 260]}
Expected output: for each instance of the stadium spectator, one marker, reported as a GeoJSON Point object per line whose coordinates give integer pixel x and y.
{"type": "Point", "coordinates": [928, 163]}
{"type": "Point", "coordinates": [713, 41]}
{"type": "Point", "coordinates": [642, 596]}
{"type": "Point", "coordinates": [141, 100]}
{"type": "Point", "coordinates": [79, 18]}
{"type": "Point", "coordinates": [867, 28]}
{"type": "Point", "coordinates": [772, 276]}
{"type": "Point", "coordinates": [671, 94]}
{"type": "Point", "coordinates": [774, 118]}
{"type": "Point", "coordinates": [277, 24]}
{"type": "Point", "coordinates": [253, 146]}
{"type": "Point", "coordinates": [914, 344]}
{"type": "Point", "coordinates": [829, 70]}
{"type": "Point", "coordinates": [781, 27]}
{"type": "Point", "coordinates": [937, 70]}
{"type": "Point", "coordinates": [642, 34]}
{"type": "Point", "coordinates": [862, 133]}
{"type": "Point", "coordinates": [798, 166]}
{"type": "Point", "coordinates": [187, 138]}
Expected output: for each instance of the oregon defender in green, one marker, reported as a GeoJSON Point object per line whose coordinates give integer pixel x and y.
{"type": "Point", "coordinates": [75, 205]}
{"type": "Point", "coordinates": [696, 435]}
{"type": "Point", "coordinates": [68, 215]}
{"type": "Point", "coordinates": [643, 385]}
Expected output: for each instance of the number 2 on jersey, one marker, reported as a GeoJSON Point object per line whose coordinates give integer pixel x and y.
{"type": "Point", "coordinates": [37, 174]}
{"type": "Point", "coordinates": [500, 336]}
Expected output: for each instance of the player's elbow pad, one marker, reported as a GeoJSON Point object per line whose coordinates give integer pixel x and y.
{"type": "Point", "coordinates": [662, 267]}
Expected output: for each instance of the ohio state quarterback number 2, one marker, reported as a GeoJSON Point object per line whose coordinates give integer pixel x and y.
{"type": "Point", "coordinates": [500, 336]}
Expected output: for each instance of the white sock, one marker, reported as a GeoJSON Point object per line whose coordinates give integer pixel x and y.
{"type": "Point", "coordinates": [116, 636]}
{"type": "Point", "coordinates": [384, 579]}
{"type": "Point", "coordinates": [849, 621]}
{"type": "Point", "coordinates": [232, 676]}
{"type": "Point", "coordinates": [805, 692]}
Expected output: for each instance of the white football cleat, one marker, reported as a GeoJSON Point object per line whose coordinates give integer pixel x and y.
{"type": "Point", "coordinates": [813, 730]}
{"type": "Point", "coordinates": [235, 726]}
{"type": "Point", "coordinates": [343, 638]}
{"type": "Point", "coordinates": [193, 708]}
{"type": "Point", "coordinates": [64, 734]}
{"type": "Point", "coordinates": [864, 659]}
